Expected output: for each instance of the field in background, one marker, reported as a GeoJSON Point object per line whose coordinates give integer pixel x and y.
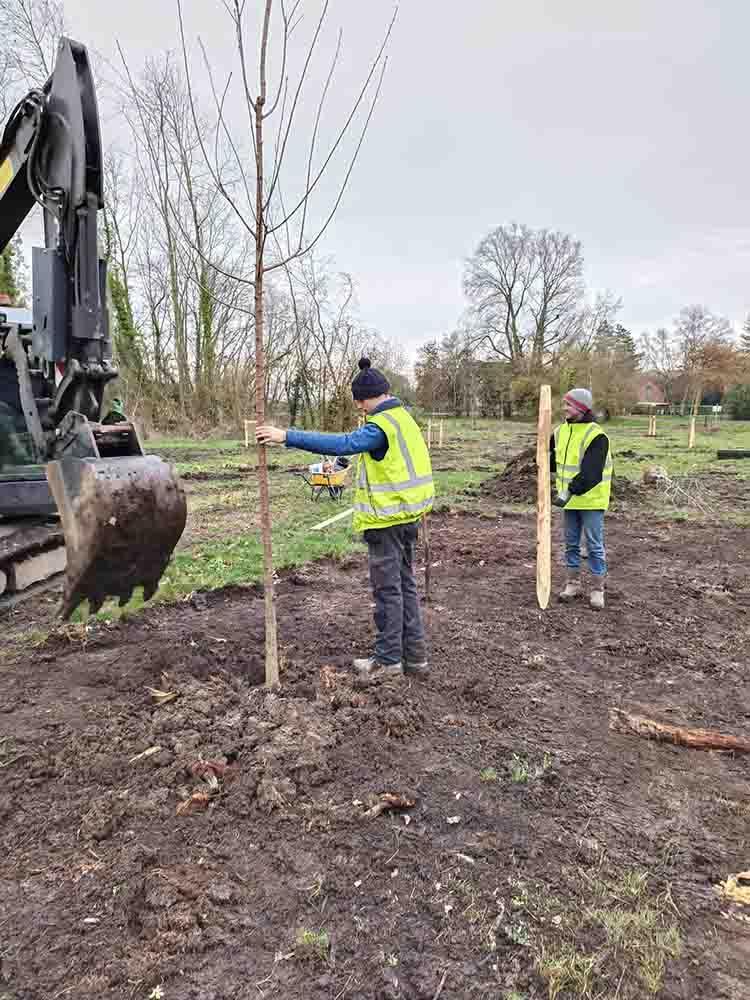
{"type": "Point", "coordinates": [222, 544]}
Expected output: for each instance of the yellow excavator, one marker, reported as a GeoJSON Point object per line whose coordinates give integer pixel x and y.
{"type": "Point", "coordinates": [78, 496]}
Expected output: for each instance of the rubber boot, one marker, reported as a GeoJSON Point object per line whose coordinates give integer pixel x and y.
{"type": "Point", "coordinates": [572, 586]}
{"type": "Point", "coordinates": [596, 598]}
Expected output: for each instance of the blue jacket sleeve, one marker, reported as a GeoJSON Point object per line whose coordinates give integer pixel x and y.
{"type": "Point", "coordinates": [368, 437]}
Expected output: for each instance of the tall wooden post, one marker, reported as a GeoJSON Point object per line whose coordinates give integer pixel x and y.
{"type": "Point", "coordinates": [440, 439]}
{"type": "Point", "coordinates": [544, 500]}
{"type": "Point", "coordinates": [429, 435]}
{"type": "Point", "coordinates": [696, 410]}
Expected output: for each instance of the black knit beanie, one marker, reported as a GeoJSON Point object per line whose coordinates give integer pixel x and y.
{"type": "Point", "coordinates": [370, 382]}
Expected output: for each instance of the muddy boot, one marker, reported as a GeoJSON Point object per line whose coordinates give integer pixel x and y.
{"type": "Point", "coordinates": [370, 666]}
{"type": "Point", "coordinates": [596, 598]}
{"type": "Point", "coordinates": [416, 668]}
{"type": "Point", "coordinates": [572, 586]}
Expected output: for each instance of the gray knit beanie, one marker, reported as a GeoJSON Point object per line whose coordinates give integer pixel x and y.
{"type": "Point", "coordinates": [580, 399]}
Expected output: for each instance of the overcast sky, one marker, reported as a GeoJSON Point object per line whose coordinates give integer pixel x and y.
{"type": "Point", "coordinates": [622, 122]}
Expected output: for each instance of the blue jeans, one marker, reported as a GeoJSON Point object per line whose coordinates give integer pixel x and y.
{"type": "Point", "coordinates": [591, 523]}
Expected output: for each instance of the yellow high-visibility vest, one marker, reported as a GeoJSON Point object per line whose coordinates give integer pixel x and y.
{"type": "Point", "coordinates": [571, 442]}
{"type": "Point", "coordinates": [399, 488]}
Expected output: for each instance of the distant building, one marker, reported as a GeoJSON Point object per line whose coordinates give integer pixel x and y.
{"type": "Point", "coordinates": [649, 390]}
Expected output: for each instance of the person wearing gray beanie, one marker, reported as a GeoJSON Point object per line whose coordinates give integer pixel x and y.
{"type": "Point", "coordinates": [581, 461]}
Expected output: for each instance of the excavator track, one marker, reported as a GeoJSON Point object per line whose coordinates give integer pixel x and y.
{"type": "Point", "coordinates": [32, 559]}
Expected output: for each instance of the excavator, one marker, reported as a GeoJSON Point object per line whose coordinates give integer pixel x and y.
{"type": "Point", "coordinates": [80, 502]}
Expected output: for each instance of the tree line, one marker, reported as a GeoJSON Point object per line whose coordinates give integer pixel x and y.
{"type": "Point", "coordinates": [180, 237]}
{"type": "Point", "coordinates": [529, 320]}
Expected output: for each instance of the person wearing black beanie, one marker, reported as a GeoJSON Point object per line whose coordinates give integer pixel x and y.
{"type": "Point", "coordinates": [369, 383]}
{"type": "Point", "coordinates": [394, 491]}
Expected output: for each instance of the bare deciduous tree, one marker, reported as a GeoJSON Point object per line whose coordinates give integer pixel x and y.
{"type": "Point", "coordinates": [526, 290]}
{"type": "Point", "coordinates": [280, 234]}
{"type": "Point", "coordinates": [29, 34]}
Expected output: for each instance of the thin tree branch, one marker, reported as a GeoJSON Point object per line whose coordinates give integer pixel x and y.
{"type": "Point", "coordinates": [297, 93]}
{"type": "Point", "coordinates": [344, 129]}
{"type": "Point", "coordinates": [199, 132]}
{"type": "Point", "coordinates": [348, 174]}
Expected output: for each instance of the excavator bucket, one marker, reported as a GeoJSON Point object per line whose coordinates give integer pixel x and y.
{"type": "Point", "coordinates": [121, 518]}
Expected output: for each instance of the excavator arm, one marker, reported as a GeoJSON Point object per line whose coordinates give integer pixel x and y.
{"type": "Point", "coordinates": [122, 512]}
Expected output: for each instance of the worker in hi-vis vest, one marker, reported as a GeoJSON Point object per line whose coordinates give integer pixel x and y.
{"type": "Point", "coordinates": [394, 490]}
{"type": "Point", "coordinates": [581, 460]}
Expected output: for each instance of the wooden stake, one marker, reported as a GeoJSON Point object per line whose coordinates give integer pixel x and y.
{"type": "Point", "coordinates": [544, 500]}
{"type": "Point", "coordinates": [691, 435]}
{"type": "Point", "coordinates": [250, 444]}
{"type": "Point", "coordinates": [427, 558]}
{"type": "Point", "coordinates": [697, 739]}
{"type": "Point", "coordinates": [429, 435]}
{"type": "Point", "coordinates": [440, 441]}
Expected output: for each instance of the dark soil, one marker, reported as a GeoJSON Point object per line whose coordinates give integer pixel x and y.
{"type": "Point", "coordinates": [195, 867]}
{"type": "Point", "coordinates": [517, 482]}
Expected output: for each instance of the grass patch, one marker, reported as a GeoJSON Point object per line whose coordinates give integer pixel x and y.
{"type": "Point", "coordinates": [312, 946]}
{"type": "Point", "coordinates": [630, 936]}
{"type": "Point", "coordinates": [566, 971]}
{"type": "Point", "coordinates": [522, 770]}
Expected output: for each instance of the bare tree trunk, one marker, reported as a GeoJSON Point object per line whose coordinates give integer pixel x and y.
{"type": "Point", "coordinates": [272, 642]}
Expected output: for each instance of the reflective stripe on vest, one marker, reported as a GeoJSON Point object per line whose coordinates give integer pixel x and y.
{"type": "Point", "coordinates": [400, 487]}
{"type": "Point", "coordinates": [571, 442]}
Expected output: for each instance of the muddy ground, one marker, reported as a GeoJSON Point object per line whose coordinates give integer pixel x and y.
{"type": "Point", "coordinates": [215, 846]}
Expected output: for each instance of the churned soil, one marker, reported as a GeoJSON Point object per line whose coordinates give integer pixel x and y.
{"type": "Point", "coordinates": [169, 828]}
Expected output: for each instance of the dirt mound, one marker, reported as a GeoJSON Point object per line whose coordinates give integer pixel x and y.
{"type": "Point", "coordinates": [517, 482]}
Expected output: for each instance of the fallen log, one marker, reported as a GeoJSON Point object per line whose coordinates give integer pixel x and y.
{"type": "Point", "coordinates": [696, 739]}
{"type": "Point", "coordinates": [730, 453]}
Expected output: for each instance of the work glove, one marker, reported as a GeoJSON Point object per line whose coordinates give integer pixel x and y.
{"type": "Point", "coordinates": [561, 499]}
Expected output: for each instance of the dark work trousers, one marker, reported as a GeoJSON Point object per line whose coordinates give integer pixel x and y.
{"type": "Point", "coordinates": [398, 620]}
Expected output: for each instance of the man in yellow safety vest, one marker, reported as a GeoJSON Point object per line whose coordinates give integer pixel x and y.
{"type": "Point", "coordinates": [394, 491]}
{"type": "Point", "coordinates": [581, 459]}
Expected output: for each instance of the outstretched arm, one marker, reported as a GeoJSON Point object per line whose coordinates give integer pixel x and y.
{"type": "Point", "coordinates": [369, 437]}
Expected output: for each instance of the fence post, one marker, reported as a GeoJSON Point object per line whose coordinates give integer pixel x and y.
{"type": "Point", "coordinates": [440, 439]}
{"type": "Point", "coordinates": [691, 435]}
{"type": "Point", "coordinates": [429, 435]}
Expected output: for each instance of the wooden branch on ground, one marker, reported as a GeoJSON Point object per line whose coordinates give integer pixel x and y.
{"type": "Point", "coordinates": [695, 739]}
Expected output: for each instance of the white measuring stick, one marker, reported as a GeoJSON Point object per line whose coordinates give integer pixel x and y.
{"type": "Point", "coordinates": [331, 520]}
